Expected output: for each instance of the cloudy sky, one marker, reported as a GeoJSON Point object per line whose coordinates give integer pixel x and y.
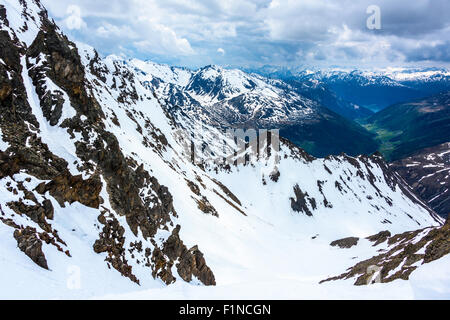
{"type": "Point", "coordinates": [258, 32]}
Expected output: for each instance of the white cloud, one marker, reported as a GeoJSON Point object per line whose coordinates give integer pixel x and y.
{"type": "Point", "coordinates": [161, 39]}
{"type": "Point", "coordinates": [221, 51]}
{"type": "Point", "coordinates": [300, 20]}
{"type": "Point", "coordinates": [260, 31]}
{"type": "Point", "coordinates": [74, 19]}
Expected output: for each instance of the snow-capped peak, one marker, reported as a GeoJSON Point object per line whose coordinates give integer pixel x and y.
{"type": "Point", "coordinates": [164, 72]}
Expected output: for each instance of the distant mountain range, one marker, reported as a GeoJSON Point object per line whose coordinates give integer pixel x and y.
{"type": "Point", "coordinates": [312, 109]}
{"type": "Point", "coordinates": [233, 98]}
{"type": "Point", "coordinates": [373, 90]}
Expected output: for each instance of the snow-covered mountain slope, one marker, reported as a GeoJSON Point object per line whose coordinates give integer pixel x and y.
{"type": "Point", "coordinates": [234, 94]}
{"type": "Point", "coordinates": [308, 83]}
{"type": "Point", "coordinates": [101, 193]}
{"type": "Point", "coordinates": [161, 72]}
{"type": "Point", "coordinates": [424, 75]}
{"type": "Point", "coordinates": [318, 91]}
{"type": "Point", "coordinates": [428, 173]}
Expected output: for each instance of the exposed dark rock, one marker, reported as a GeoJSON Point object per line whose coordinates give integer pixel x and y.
{"type": "Point", "coordinates": [345, 242]}
{"type": "Point", "coordinates": [338, 186]}
{"type": "Point", "coordinates": [440, 243]}
{"type": "Point", "coordinates": [229, 202]}
{"type": "Point", "coordinates": [48, 209]}
{"type": "Point", "coordinates": [380, 237]}
{"type": "Point", "coordinates": [52, 55]}
{"type": "Point", "coordinates": [29, 242]}
{"type": "Point", "coordinates": [326, 203]}
{"type": "Point", "coordinates": [37, 213]}
{"type": "Point", "coordinates": [70, 188]}
{"type": "Point", "coordinates": [274, 176]}
{"type": "Point", "coordinates": [327, 169]}
{"type": "Point", "coordinates": [227, 192]}
{"type": "Point", "coordinates": [194, 187]}
{"type": "Point", "coordinates": [64, 67]}
{"type": "Point", "coordinates": [205, 206]}
{"type": "Point", "coordinates": [112, 242]}
{"type": "Point", "coordinates": [299, 203]}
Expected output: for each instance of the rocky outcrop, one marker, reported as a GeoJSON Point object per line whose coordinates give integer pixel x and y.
{"type": "Point", "coordinates": [227, 192]}
{"type": "Point", "coordinates": [274, 176]}
{"type": "Point", "coordinates": [38, 213]}
{"type": "Point", "coordinates": [68, 188]}
{"type": "Point", "coordinates": [63, 66]}
{"type": "Point", "coordinates": [380, 237]}
{"type": "Point", "coordinates": [191, 262]}
{"type": "Point", "coordinates": [345, 242]}
{"type": "Point", "coordinates": [28, 241]}
{"type": "Point", "coordinates": [206, 207]}
{"type": "Point", "coordinates": [133, 192]}
{"type": "Point", "coordinates": [406, 252]}
{"type": "Point", "coordinates": [112, 242]}
{"type": "Point", "coordinates": [301, 200]}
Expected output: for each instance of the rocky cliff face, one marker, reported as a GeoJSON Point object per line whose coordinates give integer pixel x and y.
{"type": "Point", "coordinates": [97, 170]}
{"type": "Point", "coordinates": [399, 255]}
{"type": "Point", "coordinates": [49, 75]}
